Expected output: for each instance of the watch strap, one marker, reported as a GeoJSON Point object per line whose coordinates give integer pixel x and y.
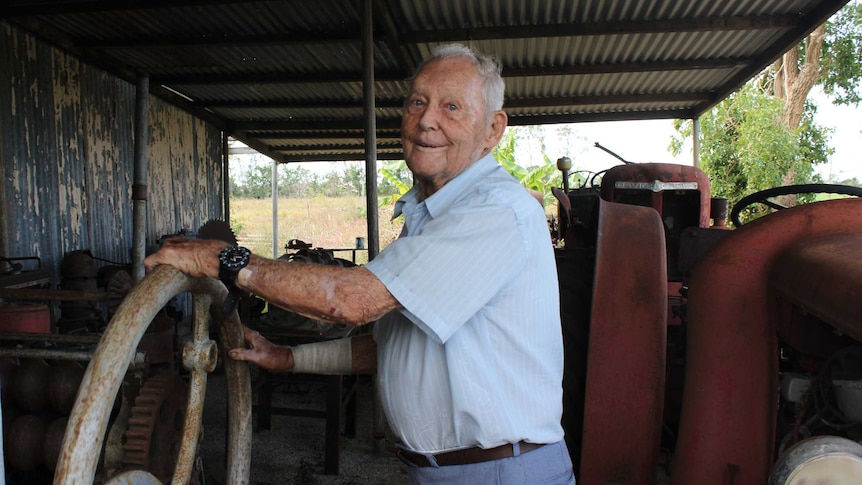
{"type": "Point", "coordinates": [230, 302]}
{"type": "Point", "coordinates": [228, 270]}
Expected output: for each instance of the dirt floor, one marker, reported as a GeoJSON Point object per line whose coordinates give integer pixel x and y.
{"type": "Point", "coordinates": [292, 451]}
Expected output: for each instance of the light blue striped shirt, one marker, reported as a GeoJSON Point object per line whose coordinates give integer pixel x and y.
{"type": "Point", "coordinates": [475, 356]}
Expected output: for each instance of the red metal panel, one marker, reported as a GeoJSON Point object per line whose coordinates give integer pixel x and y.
{"type": "Point", "coordinates": [727, 425]}
{"type": "Point", "coordinates": [823, 277]}
{"type": "Point", "coordinates": [35, 318]}
{"type": "Point", "coordinates": [626, 358]}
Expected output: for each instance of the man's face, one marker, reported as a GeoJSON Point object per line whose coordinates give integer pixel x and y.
{"type": "Point", "coordinates": [444, 128]}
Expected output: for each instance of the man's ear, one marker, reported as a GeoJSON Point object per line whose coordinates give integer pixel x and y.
{"type": "Point", "coordinates": [499, 121]}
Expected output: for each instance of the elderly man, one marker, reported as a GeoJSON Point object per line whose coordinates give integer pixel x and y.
{"type": "Point", "coordinates": [467, 347]}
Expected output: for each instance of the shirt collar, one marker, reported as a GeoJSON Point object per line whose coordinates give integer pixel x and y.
{"type": "Point", "coordinates": [451, 190]}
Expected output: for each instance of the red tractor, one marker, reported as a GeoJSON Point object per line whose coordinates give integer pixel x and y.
{"type": "Point", "coordinates": [700, 354]}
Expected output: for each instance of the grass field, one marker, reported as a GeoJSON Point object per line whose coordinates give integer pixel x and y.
{"type": "Point", "coordinates": [323, 222]}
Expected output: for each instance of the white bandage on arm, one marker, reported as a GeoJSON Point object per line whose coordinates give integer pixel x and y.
{"type": "Point", "coordinates": [332, 357]}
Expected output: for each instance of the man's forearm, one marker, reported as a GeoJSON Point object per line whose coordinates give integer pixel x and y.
{"type": "Point", "coordinates": [352, 296]}
{"type": "Point", "coordinates": [357, 355]}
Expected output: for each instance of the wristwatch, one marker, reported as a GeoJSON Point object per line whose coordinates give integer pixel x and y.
{"type": "Point", "coordinates": [231, 260]}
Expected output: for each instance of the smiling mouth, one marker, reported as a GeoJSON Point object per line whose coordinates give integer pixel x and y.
{"type": "Point", "coordinates": [428, 145]}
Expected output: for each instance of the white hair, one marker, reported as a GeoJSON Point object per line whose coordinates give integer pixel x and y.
{"type": "Point", "coordinates": [493, 87]}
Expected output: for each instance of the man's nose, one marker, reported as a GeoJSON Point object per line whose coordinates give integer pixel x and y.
{"type": "Point", "coordinates": [428, 120]}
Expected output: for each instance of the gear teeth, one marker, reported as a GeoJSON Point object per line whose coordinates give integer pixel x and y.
{"type": "Point", "coordinates": [217, 229]}
{"type": "Point", "coordinates": [138, 435]}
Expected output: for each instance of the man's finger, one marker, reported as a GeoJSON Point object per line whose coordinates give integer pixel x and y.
{"type": "Point", "coordinates": [240, 354]}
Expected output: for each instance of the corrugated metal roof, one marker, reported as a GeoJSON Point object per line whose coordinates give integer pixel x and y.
{"type": "Point", "coordinates": [286, 76]}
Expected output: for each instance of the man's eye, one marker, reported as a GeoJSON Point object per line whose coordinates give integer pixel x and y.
{"type": "Point", "coordinates": [452, 107]}
{"type": "Point", "coordinates": [416, 102]}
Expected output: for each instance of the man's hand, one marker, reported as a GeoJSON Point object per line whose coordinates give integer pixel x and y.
{"type": "Point", "coordinates": [194, 257]}
{"type": "Point", "coordinates": [263, 352]}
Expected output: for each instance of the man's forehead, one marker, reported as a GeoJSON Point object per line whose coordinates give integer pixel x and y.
{"type": "Point", "coordinates": [445, 74]}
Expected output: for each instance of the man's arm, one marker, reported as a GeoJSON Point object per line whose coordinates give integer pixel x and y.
{"type": "Point", "coordinates": [352, 296]}
{"type": "Point", "coordinates": [357, 355]}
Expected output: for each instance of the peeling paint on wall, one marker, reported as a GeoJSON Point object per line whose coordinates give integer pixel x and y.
{"type": "Point", "coordinates": [67, 157]}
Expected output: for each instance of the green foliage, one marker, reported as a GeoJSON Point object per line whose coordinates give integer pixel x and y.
{"type": "Point", "coordinates": [842, 55]}
{"type": "Point", "coordinates": [237, 224]}
{"type": "Point", "coordinates": [256, 183]}
{"type": "Point", "coordinates": [744, 145]}
{"type": "Point", "coordinates": [540, 178]}
{"type": "Point", "coordinates": [746, 148]}
{"type": "Point", "coordinates": [294, 181]}
{"type": "Point", "coordinates": [353, 179]}
{"type": "Point", "coordinates": [253, 180]}
{"type": "Point", "coordinates": [396, 181]}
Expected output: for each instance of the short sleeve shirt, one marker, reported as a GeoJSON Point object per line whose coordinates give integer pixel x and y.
{"type": "Point", "coordinates": [474, 356]}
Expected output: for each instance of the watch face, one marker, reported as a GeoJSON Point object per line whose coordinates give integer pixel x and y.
{"type": "Point", "coordinates": [234, 258]}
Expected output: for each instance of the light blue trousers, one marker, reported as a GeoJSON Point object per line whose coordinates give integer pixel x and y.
{"type": "Point", "coordinates": [549, 465]}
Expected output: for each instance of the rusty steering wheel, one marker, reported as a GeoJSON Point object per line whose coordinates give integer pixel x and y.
{"type": "Point", "coordinates": [763, 196]}
{"type": "Point", "coordinates": [88, 421]}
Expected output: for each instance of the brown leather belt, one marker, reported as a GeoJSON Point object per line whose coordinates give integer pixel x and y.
{"type": "Point", "coordinates": [467, 455]}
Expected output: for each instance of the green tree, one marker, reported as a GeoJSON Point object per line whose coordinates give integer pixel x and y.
{"type": "Point", "coordinates": [353, 179]}
{"type": "Point", "coordinates": [745, 147]}
{"type": "Point", "coordinates": [293, 181]}
{"type": "Point", "coordinates": [258, 181]}
{"type": "Point", "coordinates": [764, 135]}
{"type": "Point", "coordinates": [540, 178]}
{"type": "Point", "coordinates": [840, 66]}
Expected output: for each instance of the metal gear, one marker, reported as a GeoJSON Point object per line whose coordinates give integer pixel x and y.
{"type": "Point", "coordinates": [152, 438]}
{"type": "Point", "coordinates": [118, 286]}
{"type": "Point", "coordinates": [217, 229]}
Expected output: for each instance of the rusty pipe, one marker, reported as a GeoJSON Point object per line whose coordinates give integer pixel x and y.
{"type": "Point", "coordinates": [139, 184]}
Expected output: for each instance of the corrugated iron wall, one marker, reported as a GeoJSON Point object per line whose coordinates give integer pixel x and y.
{"type": "Point", "coordinates": [67, 154]}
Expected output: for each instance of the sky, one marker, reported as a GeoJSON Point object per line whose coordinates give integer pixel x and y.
{"type": "Point", "coordinates": [647, 142]}
{"type": "Point", "coordinates": [846, 139]}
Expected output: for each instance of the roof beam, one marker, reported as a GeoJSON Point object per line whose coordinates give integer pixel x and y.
{"type": "Point", "coordinates": [316, 125]}
{"type": "Point", "coordinates": [383, 16]}
{"type": "Point", "coordinates": [396, 41]}
{"type": "Point", "coordinates": [508, 72]}
{"type": "Point", "coordinates": [700, 24]}
{"type": "Point", "coordinates": [607, 116]}
{"type": "Point", "coordinates": [14, 8]}
{"type": "Point", "coordinates": [391, 124]}
{"type": "Point", "coordinates": [626, 67]}
{"type": "Point", "coordinates": [359, 145]}
{"type": "Point", "coordinates": [253, 142]}
{"type": "Point", "coordinates": [338, 157]}
{"type": "Point", "coordinates": [587, 99]}
{"type": "Point", "coordinates": [604, 99]}
{"type": "Point", "coordinates": [287, 104]}
{"type": "Point", "coordinates": [273, 78]}
{"type": "Point", "coordinates": [168, 42]}
{"type": "Point", "coordinates": [386, 136]}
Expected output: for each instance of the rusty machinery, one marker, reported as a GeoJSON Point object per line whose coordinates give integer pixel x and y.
{"type": "Point", "coordinates": [118, 404]}
{"type": "Point", "coordinates": [703, 354]}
